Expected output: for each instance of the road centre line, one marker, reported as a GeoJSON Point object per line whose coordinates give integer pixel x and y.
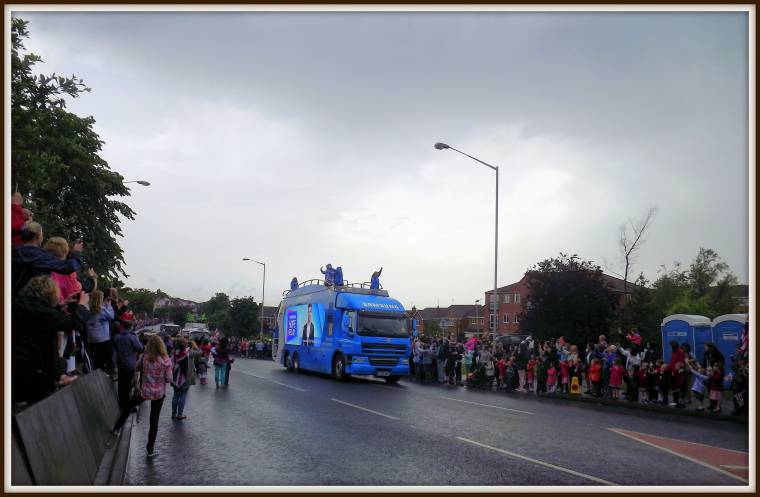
{"type": "Point", "coordinates": [696, 461]}
{"type": "Point", "coordinates": [487, 405]}
{"type": "Point", "coordinates": [273, 381]}
{"type": "Point", "coordinates": [365, 409]}
{"type": "Point", "coordinates": [541, 463]}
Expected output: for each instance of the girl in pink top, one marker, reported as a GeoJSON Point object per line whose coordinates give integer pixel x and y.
{"type": "Point", "coordinates": [551, 379]}
{"type": "Point", "coordinates": [155, 370]}
{"type": "Point", "coordinates": [616, 378]}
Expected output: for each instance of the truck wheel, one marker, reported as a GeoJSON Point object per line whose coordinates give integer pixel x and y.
{"type": "Point", "coordinates": [288, 363]}
{"type": "Point", "coordinates": [339, 368]}
{"type": "Point", "coordinates": [296, 363]}
{"type": "Point", "coordinates": [392, 379]}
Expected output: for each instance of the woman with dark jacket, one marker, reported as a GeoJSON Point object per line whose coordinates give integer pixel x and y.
{"type": "Point", "coordinates": [36, 367]}
{"type": "Point", "coordinates": [712, 355]}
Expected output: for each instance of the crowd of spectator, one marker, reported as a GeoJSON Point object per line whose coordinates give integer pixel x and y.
{"type": "Point", "coordinates": [633, 371]}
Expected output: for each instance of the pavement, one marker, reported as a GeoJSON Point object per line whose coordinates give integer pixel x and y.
{"type": "Point", "coordinates": [271, 427]}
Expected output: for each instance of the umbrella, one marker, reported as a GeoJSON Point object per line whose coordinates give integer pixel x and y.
{"type": "Point", "coordinates": [470, 344]}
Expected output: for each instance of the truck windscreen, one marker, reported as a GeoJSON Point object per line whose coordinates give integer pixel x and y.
{"type": "Point", "coordinates": [378, 325]}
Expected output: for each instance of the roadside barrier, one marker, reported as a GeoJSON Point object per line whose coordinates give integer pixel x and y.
{"type": "Point", "coordinates": [61, 439]}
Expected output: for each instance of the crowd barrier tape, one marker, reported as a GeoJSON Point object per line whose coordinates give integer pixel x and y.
{"type": "Point", "coordinates": [61, 439]}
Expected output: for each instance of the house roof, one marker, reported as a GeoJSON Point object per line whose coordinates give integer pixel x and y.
{"type": "Point", "coordinates": [613, 283]}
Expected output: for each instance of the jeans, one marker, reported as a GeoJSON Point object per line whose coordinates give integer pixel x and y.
{"type": "Point", "coordinates": [125, 385]}
{"type": "Point", "coordinates": [178, 400]}
{"type": "Point", "coordinates": [227, 374]}
{"type": "Point", "coordinates": [155, 411]}
{"type": "Point", "coordinates": [219, 373]}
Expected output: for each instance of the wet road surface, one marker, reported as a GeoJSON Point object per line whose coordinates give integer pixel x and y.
{"type": "Point", "coordinates": [271, 427]}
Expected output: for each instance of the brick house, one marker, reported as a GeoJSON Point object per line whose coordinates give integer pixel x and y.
{"type": "Point", "coordinates": [513, 297]}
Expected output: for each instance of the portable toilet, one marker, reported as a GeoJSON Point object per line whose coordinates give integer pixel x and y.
{"type": "Point", "coordinates": [727, 335]}
{"type": "Point", "coordinates": [685, 328]}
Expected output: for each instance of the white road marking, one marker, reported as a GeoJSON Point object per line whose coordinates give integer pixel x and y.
{"type": "Point", "coordinates": [541, 463]}
{"type": "Point", "coordinates": [732, 466]}
{"type": "Point", "coordinates": [695, 461]}
{"type": "Point", "coordinates": [487, 405]}
{"type": "Point", "coordinates": [273, 381]}
{"type": "Point", "coordinates": [365, 409]}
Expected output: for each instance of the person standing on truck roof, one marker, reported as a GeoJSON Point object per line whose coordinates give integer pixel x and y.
{"type": "Point", "coordinates": [339, 276]}
{"type": "Point", "coordinates": [293, 283]}
{"type": "Point", "coordinates": [375, 280]}
{"type": "Point", "coordinates": [308, 329]}
{"type": "Point", "coordinates": [329, 273]}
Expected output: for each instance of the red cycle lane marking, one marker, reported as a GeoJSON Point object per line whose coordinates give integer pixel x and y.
{"type": "Point", "coordinates": [732, 463]}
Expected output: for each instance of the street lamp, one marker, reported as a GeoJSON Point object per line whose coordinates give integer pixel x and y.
{"type": "Point", "coordinates": [139, 182]}
{"type": "Point", "coordinates": [443, 146]}
{"type": "Point", "coordinates": [477, 319]}
{"type": "Point", "coordinates": [263, 286]}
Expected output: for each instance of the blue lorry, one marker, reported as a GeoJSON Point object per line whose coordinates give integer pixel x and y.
{"type": "Point", "coordinates": [343, 330]}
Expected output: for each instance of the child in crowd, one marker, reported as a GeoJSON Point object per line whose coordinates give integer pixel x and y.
{"type": "Point", "coordinates": [202, 367]}
{"type": "Point", "coordinates": [551, 378]}
{"type": "Point", "coordinates": [616, 377]}
{"type": "Point", "coordinates": [633, 384]}
{"type": "Point", "coordinates": [678, 380]}
{"type": "Point", "coordinates": [576, 371]}
{"type": "Point", "coordinates": [699, 386]}
{"type": "Point", "coordinates": [512, 376]}
{"type": "Point", "coordinates": [564, 369]}
{"type": "Point", "coordinates": [653, 374]}
{"type": "Point", "coordinates": [715, 385]}
{"type": "Point", "coordinates": [644, 379]}
{"type": "Point", "coordinates": [662, 382]}
{"type": "Point", "coordinates": [595, 375]}
{"type": "Point", "coordinates": [540, 377]}
{"type": "Point", "coordinates": [501, 366]}
{"type": "Point", "coordinates": [530, 374]}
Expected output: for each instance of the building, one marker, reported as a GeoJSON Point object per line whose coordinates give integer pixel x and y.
{"type": "Point", "coordinates": [512, 298]}
{"type": "Point", "coordinates": [167, 301]}
{"type": "Point", "coordinates": [452, 320]}
{"type": "Point", "coordinates": [270, 317]}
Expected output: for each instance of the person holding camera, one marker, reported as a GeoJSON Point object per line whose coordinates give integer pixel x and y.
{"type": "Point", "coordinates": [36, 318]}
{"type": "Point", "coordinates": [98, 332]}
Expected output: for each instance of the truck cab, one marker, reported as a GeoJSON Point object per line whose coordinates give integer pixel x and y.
{"type": "Point", "coordinates": [343, 330]}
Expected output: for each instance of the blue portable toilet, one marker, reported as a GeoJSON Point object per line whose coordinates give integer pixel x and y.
{"type": "Point", "coordinates": [727, 335]}
{"type": "Point", "coordinates": [685, 328]}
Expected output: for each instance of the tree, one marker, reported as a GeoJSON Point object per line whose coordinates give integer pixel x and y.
{"type": "Point", "coordinates": [705, 289]}
{"type": "Point", "coordinates": [219, 301]}
{"type": "Point", "coordinates": [433, 328]}
{"type": "Point", "coordinates": [141, 300]}
{"type": "Point", "coordinates": [56, 164]}
{"type": "Point", "coordinates": [220, 320]}
{"type": "Point", "coordinates": [177, 314]}
{"type": "Point", "coordinates": [640, 313]}
{"type": "Point", "coordinates": [244, 316]}
{"type": "Point", "coordinates": [630, 240]}
{"type": "Point", "coordinates": [569, 298]}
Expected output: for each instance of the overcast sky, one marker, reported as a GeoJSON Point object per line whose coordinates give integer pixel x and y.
{"type": "Point", "coordinates": [305, 138]}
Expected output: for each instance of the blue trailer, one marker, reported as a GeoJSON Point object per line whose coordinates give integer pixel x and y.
{"type": "Point", "coordinates": [343, 330]}
{"type": "Point", "coordinates": [685, 328]}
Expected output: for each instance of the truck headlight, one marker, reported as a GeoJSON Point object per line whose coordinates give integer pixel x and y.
{"type": "Point", "coordinates": [359, 360]}
{"type": "Point", "coordinates": [405, 360]}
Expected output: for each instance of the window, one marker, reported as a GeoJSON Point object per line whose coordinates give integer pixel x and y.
{"type": "Point", "coordinates": [506, 299]}
{"type": "Point", "coordinates": [492, 321]}
{"type": "Point", "coordinates": [514, 319]}
{"type": "Point", "coordinates": [517, 298]}
{"type": "Point", "coordinates": [474, 321]}
{"type": "Point", "coordinates": [506, 318]}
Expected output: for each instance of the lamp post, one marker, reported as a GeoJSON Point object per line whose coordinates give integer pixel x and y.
{"type": "Point", "coordinates": [139, 182]}
{"type": "Point", "coordinates": [443, 146]}
{"type": "Point", "coordinates": [477, 319]}
{"type": "Point", "coordinates": [263, 286]}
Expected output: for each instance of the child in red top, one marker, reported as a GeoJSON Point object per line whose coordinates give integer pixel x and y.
{"type": "Point", "coordinates": [501, 365]}
{"type": "Point", "coordinates": [616, 377]}
{"type": "Point", "coordinates": [551, 378]}
{"type": "Point", "coordinates": [564, 371]}
{"type": "Point", "coordinates": [595, 375]}
{"type": "Point", "coordinates": [530, 373]}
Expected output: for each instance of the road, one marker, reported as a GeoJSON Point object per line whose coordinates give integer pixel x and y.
{"type": "Point", "coordinates": [271, 427]}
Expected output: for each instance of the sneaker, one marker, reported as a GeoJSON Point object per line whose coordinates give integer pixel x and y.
{"type": "Point", "coordinates": [672, 404]}
{"type": "Point", "coordinates": [152, 453]}
{"type": "Point", "coordinates": [700, 408]}
{"type": "Point", "coordinates": [181, 417]}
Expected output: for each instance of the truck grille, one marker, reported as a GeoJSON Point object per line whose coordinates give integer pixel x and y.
{"type": "Point", "coordinates": [377, 347]}
{"type": "Point", "coordinates": [383, 361]}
